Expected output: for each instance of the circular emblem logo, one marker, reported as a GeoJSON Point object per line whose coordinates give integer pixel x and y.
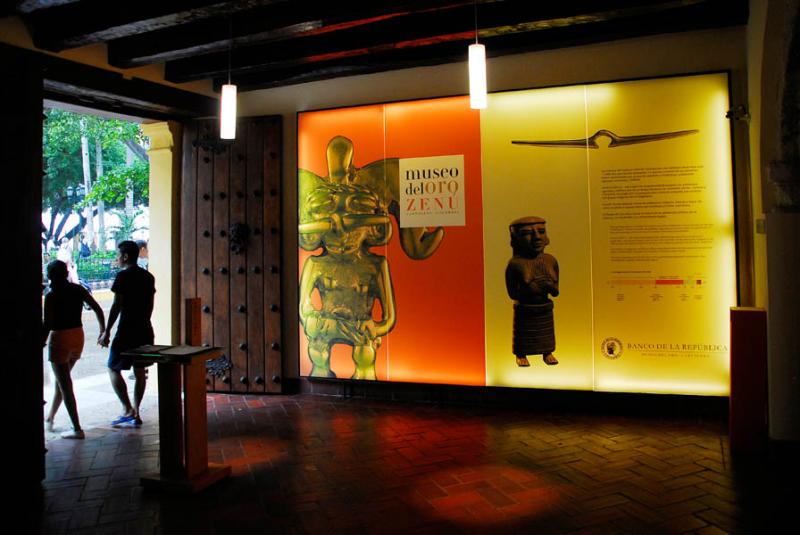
{"type": "Point", "coordinates": [611, 348]}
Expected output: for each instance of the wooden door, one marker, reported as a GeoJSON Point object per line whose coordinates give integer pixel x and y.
{"type": "Point", "coordinates": [230, 224]}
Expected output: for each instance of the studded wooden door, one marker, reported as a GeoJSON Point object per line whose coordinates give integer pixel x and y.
{"type": "Point", "coordinates": [230, 221]}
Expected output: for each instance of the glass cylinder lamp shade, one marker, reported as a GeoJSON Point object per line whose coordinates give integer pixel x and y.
{"type": "Point", "coordinates": [227, 112]}
{"type": "Point", "coordinates": [477, 77]}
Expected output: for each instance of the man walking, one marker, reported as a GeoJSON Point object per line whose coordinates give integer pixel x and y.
{"type": "Point", "coordinates": [134, 289]}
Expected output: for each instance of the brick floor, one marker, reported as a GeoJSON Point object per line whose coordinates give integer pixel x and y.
{"type": "Point", "coordinates": [314, 464]}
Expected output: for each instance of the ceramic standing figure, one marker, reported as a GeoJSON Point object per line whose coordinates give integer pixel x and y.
{"type": "Point", "coordinates": [531, 278]}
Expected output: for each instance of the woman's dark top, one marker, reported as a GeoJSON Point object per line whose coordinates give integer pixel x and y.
{"type": "Point", "coordinates": [63, 306]}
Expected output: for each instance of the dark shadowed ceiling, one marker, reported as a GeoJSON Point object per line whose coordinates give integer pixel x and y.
{"type": "Point", "coordinates": [272, 43]}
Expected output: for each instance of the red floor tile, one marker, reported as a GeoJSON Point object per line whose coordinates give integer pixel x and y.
{"type": "Point", "coordinates": [306, 464]}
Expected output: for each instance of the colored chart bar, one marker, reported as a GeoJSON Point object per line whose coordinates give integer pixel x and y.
{"type": "Point", "coordinates": [656, 282]}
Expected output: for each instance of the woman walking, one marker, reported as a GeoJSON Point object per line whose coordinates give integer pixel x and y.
{"type": "Point", "coordinates": [63, 306]}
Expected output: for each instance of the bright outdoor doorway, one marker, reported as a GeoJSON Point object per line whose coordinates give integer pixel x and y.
{"type": "Point", "coordinates": [95, 193]}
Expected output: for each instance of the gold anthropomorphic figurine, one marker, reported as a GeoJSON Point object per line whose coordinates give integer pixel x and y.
{"type": "Point", "coordinates": [345, 214]}
{"type": "Point", "coordinates": [531, 277]}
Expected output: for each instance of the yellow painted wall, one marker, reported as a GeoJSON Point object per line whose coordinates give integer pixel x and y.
{"type": "Point", "coordinates": [164, 243]}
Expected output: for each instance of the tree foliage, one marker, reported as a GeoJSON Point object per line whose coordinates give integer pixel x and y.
{"type": "Point", "coordinates": [64, 169]}
{"type": "Point", "coordinates": [62, 159]}
{"type": "Point", "coordinates": [114, 185]}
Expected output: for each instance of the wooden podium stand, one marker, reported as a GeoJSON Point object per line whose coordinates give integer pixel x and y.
{"type": "Point", "coordinates": [183, 424]}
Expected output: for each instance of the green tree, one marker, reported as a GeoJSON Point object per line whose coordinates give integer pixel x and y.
{"type": "Point", "coordinates": [64, 168]}
{"type": "Point", "coordinates": [113, 186]}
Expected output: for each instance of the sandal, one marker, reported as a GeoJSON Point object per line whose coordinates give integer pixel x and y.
{"type": "Point", "coordinates": [78, 435]}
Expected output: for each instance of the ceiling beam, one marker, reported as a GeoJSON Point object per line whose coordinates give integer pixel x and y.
{"type": "Point", "coordinates": [351, 66]}
{"type": "Point", "coordinates": [456, 24]}
{"type": "Point", "coordinates": [268, 43]}
{"type": "Point", "coordinates": [261, 25]}
{"type": "Point", "coordinates": [497, 44]}
{"type": "Point", "coordinates": [77, 83]}
{"type": "Point", "coordinates": [409, 30]}
{"type": "Point", "coordinates": [94, 87]}
{"type": "Point", "coordinates": [19, 7]}
{"type": "Point", "coordinates": [93, 21]}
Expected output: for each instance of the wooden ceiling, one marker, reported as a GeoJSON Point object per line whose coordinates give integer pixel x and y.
{"type": "Point", "coordinates": [272, 43]}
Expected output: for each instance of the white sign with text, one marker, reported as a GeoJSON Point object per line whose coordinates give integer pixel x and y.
{"type": "Point", "coordinates": [432, 191]}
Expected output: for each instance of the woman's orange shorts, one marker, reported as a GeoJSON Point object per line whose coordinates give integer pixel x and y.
{"type": "Point", "coordinates": [66, 345]}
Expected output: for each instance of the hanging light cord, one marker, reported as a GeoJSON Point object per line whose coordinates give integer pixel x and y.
{"type": "Point", "coordinates": [475, 4]}
{"type": "Point", "coordinates": [230, 45]}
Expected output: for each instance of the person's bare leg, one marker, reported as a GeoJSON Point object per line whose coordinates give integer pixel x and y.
{"type": "Point", "coordinates": [56, 403]}
{"type": "Point", "coordinates": [64, 379]}
{"type": "Point", "coordinates": [57, 396]}
{"type": "Point", "coordinates": [138, 390]}
{"type": "Point", "coordinates": [121, 390]}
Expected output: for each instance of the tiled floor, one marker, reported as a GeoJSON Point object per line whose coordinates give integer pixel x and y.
{"type": "Point", "coordinates": [312, 464]}
{"type": "Point", "coordinates": [97, 403]}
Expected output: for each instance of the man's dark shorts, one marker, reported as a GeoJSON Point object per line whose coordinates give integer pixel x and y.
{"type": "Point", "coordinates": [117, 361]}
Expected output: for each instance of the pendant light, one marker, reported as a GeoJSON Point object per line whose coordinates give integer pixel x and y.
{"type": "Point", "coordinates": [227, 103]}
{"type": "Point", "coordinates": [227, 112]}
{"type": "Point", "coordinates": [477, 71]}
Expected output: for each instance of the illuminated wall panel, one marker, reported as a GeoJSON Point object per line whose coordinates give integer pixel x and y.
{"type": "Point", "coordinates": [522, 180]}
{"type": "Point", "coordinates": [633, 180]}
{"type": "Point", "coordinates": [662, 235]}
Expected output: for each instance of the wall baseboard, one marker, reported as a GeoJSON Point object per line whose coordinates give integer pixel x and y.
{"type": "Point", "coordinates": [551, 401]}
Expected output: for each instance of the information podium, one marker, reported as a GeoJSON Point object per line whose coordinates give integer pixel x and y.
{"type": "Point", "coordinates": [183, 423]}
